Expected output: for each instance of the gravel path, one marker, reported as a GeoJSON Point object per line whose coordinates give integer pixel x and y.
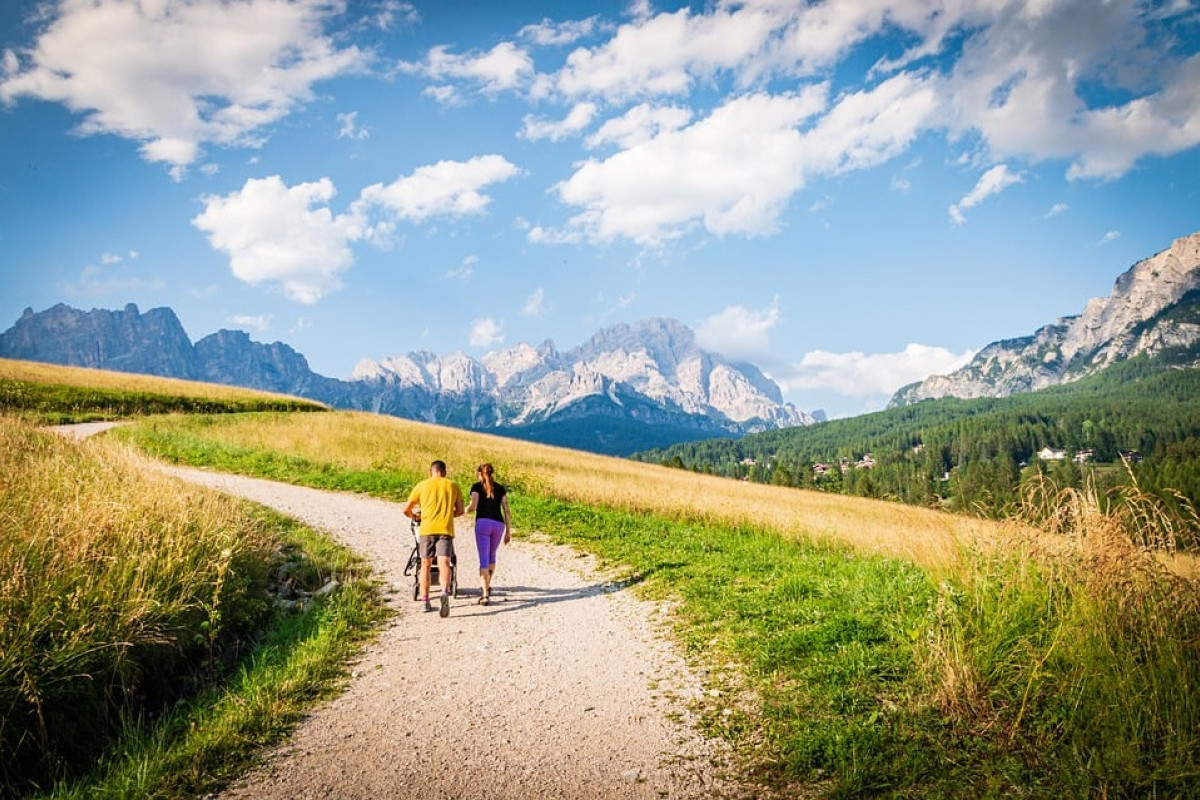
{"type": "Point", "coordinates": [564, 687]}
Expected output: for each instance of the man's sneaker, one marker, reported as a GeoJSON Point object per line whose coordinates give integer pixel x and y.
{"type": "Point", "coordinates": [428, 605]}
{"type": "Point", "coordinates": [444, 611]}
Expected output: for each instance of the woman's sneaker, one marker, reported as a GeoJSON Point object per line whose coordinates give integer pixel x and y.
{"type": "Point", "coordinates": [444, 611]}
{"type": "Point", "coordinates": [428, 605]}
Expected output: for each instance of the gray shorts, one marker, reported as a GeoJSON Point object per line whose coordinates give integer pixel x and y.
{"type": "Point", "coordinates": [439, 544]}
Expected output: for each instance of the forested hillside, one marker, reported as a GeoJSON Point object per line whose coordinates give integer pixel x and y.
{"type": "Point", "coordinates": [972, 455]}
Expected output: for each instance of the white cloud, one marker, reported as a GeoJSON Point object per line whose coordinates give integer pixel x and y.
{"type": "Point", "coordinates": [857, 374]}
{"type": "Point", "coordinates": [738, 332]}
{"type": "Point", "coordinates": [349, 128]}
{"type": "Point", "coordinates": [464, 270]}
{"type": "Point", "coordinates": [535, 303]}
{"type": "Point", "coordinates": [272, 233]}
{"type": "Point", "coordinates": [735, 171]}
{"type": "Point", "coordinates": [95, 281]}
{"type": "Point", "coordinates": [1109, 238]}
{"type": "Point", "coordinates": [486, 332]}
{"type": "Point", "coordinates": [639, 124]}
{"type": "Point", "coordinates": [450, 188]}
{"type": "Point", "coordinates": [1094, 85]}
{"type": "Point", "coordinates": [548, 33]}
{"type": "Point", "coordinates": [504, 67]}
{"type": "Point", "coordinates": [445, 94]}
{"type": "Point", "coordinates": [110, 258]}
{"type": "Point", "coordinates": [390, 13]}
{"type": "Point", "coordinates": [542, 235]}
{"type": "Point", "coordinates": [1028, 82]}
{"type": "Point", "coordinates": [178, 74]}
{"type": "Point", "coordinates": [994, 181]}
{"type": "Point", "coordinates": [1055, 210]}
{"type": "Point", "coordinates": [665, 54]}
{"type": "Point", "coordinates": [580, 116]}
{"type": "Point", "coordinates": [260, 322]}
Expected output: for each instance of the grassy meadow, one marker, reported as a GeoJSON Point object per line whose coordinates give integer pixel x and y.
{"type": "Point", "coordinates": [55, 394]}
{"type": "Point", "coordinates": [142, 652]}
{"type": "Point", "coordinates": [854, 647]}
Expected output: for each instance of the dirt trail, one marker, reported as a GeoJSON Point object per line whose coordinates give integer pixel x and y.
{"type": "Point", "coordinates": [564, 687]}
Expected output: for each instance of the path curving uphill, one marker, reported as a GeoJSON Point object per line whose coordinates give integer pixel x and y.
{"type": "Point", "coordinates": [563, 687]}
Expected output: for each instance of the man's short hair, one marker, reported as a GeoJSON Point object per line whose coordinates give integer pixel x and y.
{"type": "Point", "coordinates": [439, 467]}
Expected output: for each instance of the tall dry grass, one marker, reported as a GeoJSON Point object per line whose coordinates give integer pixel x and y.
{"type": "Point", "coordinates": [1079, 640]}
{"type": "Point", "coordinates": [370, 442]}
{"type": "Point", "coordinates": [115, 582]}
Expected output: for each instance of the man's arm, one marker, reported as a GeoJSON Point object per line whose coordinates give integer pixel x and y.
{"type": "Point", "coordinates": [458, 503]}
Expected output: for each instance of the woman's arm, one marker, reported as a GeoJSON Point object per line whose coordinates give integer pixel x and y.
{"type": "Point", "coordinates": [474, 502]}
{"type": "Point", "coordinates": [507, 519]}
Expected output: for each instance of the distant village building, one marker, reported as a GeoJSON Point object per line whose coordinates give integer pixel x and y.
{"type": "Point", "coordinates": [749, 461]}
{"type": "Point", "coordinates": [866, 462]}
{"type": "Point", "coordinates": [1051, 454]}
{"type": "Point", "coordinates": [820, 469]}
{"type": "Point", "coordinates": [1083, 456]}
{"type": "Point", "coordinates": [1131, 456]}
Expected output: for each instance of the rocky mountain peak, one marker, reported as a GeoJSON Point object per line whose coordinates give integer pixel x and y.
{"type": "Point", "coordinates": [1134, 319]}
{"type": "Point", "coordinates": [650, 373]}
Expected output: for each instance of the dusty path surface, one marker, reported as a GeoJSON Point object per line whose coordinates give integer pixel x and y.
{"type": "Point", "coordinates": [564, 687]}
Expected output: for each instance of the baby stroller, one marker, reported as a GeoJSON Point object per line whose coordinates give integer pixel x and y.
{"type": "Point", "coordinates": [413, 567]}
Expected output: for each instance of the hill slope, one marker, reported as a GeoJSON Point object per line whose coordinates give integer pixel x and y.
{"type": "Point", "coordinates": [969, 453]}
{"type": "Point", "coordinates": [628, 387]}
{"type": "Point", "coordinates": [1151, 309]}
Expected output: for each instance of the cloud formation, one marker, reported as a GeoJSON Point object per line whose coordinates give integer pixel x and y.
{"type": "Point", "coordinates": [288, 236]}
{"type": "Point", "coordinates": [256, 322]}
{"type": "Point", "coordinates": [175, 75]}
{"type": "Point", "coordinates": [1094, 87]}
{"type": "Point", "coordinates": [486, 332]}
{"type": "Point", "coordinates": [535, 303]}
{"type": "Point", "coordinates": [865, 375]}
{"type": "Point", "coordinates": [451, 188]}
{"type": "Point", "coordinates": [994, 181]}
{"type": "Point", "coordinates": [739, 333]}
{"type": "Point", "coordinates": [272, 233]}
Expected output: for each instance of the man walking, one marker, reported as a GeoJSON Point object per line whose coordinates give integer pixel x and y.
{"type": "Point", "coordinates": [440, 501]}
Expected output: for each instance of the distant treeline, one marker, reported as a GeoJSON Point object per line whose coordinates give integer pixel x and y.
{"type": "Point", "coordinates": [1140, 420]}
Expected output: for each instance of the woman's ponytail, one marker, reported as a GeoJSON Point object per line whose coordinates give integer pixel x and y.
{"type": "Point", "coordinates": [486, 475]}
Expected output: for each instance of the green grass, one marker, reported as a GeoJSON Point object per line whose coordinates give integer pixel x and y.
{"type": "Point", "coordinates": [1024, 674]}
{"type": "Point", "coordinates": [199, 747]}
{"type": "Point", "coordinates": [141, 653]}
{"type": "Point", "coordinates": [821, 638]}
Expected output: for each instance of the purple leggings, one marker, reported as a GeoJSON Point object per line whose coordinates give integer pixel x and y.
{"type": "Point", "coordinates": [488, 535]}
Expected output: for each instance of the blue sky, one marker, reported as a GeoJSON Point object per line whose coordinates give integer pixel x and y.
{"type": "Point", "coordinates": [851, 195]}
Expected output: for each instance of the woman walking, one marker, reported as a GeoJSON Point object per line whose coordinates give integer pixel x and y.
{"type": "Point", "coordinates": [489, 501]}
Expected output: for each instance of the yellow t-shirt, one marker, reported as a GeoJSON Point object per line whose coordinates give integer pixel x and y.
{"type": "Point", "coordinates": [437, 497]}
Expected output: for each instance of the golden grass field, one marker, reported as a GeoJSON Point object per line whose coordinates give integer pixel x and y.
{"type": "Point", "coordinates": [85, 378]}
{"type": "Point", "coordinates": [364, 441]}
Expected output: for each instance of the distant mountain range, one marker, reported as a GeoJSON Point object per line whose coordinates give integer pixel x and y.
{"type": "Point", "coordinates": [626, 389]}
{"type": "Point", "coordinates": [1154, 306]}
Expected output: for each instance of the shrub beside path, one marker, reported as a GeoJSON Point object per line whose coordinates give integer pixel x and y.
{"type": "Point", "coordinates": [563, 687]}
